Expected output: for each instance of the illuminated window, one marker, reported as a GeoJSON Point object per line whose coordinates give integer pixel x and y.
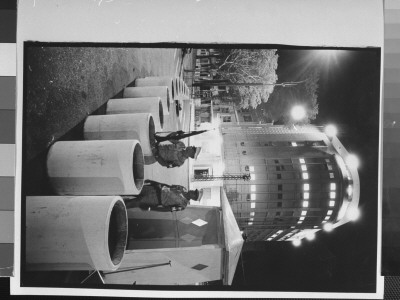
{"type": "Point", "coordinates": [294, 144]}
{"type": "Point", "coordinates": [327, 218]}
{"type": "Point", "coordinates": [331, 175]}
{"type": "Point", "coordinates": [253, 205]}
{"type": "Point", "coordinates": [299, 222]}
{"type": "Point", "coordinates": [306, 195]}
{"type": "Point", "coordinates": [350, 190]}
{"type": "Point", "coordinates": [305, 203]}
{"type": "Point", "coordinates": [279, 231]}
{"type": "Point", "coordinates": [302, 161]}
{"type": "Point", "coordinates": [251, 168]}
{"type": "Point", "coordinates": [333, 186]}
{"type": "Point", "coordinates": [315, 226]}
{"type": "Point", "coordinates": [252, 176]}
{"type": "Point", "coordinates": [332, 195]}
{"type": "Point", "coordinates": [303, 167]}
{"type": "Point", "coordinates": [331, 203]}
{"type": "Point", "coordinates": [306, 187]}
{"type": "Point", "coordinates": [292, 226]}
{"type": "Point", "coordinates": [305, 175]}
{"type": "Point", "coordinates": [304, 212]}
{"type": "Point", "coordinates": [302, 218]}
{"type": "Point", "coordinates": [253, 196]}
{"type": "Point", "coordinates": [327, 160]}
{"type": "Point", "coordinates": [324, 221]}
{"type": "Point", "coordinates": [251, 219]}
{"type": "Point", "coordinates": [252, 214]}
{"type": "Point", "coordinates": [253, 188]}
{"type": "Point", "coordinates": [330, 167]}
{"type": "Point", "coordinates": [329, 212]}
{"type": "Point", "coordinates": [250, 223]}
{"type": "Point", "coordinates": [269, 239]}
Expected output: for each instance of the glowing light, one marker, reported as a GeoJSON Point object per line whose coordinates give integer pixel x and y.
{"type": "Point", "coordinates": [252, 176]}
{"type": "Point", "coordinates": [329, 212]}
{"type": "Point", "coordinates": [333, 186]}
{"type": "Point", "coordinates": [251, 219]}
{"type": "Point", "coordinates": [302, 161]}
{"type": "Point", "coordinates": [305, 175]}
{"type": "Point", "coordinates": [306, 195]}
{"type": "Point", "coordinates": [305, 203]}
{"type": "Point", "coordinates": [251, 168]}
{"type": "Point", "coordinates": [252, 188]}
{"type": "Point", "coordinates": [331, 175]}
{"type": "Point", "coordinates": [253, 196]}
{"type": "Point", "coordinates": [298, 112]}
{"type": "Point", "coordinates": [253, 205]}
{"type": "Point", "coordinates": [252, 214]}
{"type": "Point", "coordinates": [328, 227]}
{"type": "Point", "coordinates": [294, 144]}
{"type": "Point", "coordinates": [250, 223]}
{"type": "Point", "coordinates": [352, 161]}
{"type": "Point", "coordinates": [330, 131]}
{"type": "Point", "coordinates": [301, 218]}
{"type": "Point", "coordinates": [332, 203]}
{"type": "Point", "coordinates": [306, 187]}
{"type": "Point", "coordinates": [296, 243]}
{"type": "Point", "coordinates": [332, 195]}
{"type": "Point", "coordinates": [310, 236]}
{"type": "Point", "coordinates": [304, 212]}
{"type": "Point", "coordinates": [303, 167]}
{"type": "Point", "coordinates": [353, 214]}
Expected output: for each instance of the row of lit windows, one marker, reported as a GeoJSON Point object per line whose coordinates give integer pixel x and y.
{"type": "Point", "coordinates": [281, 143]}
{"type": "Point", "coordinates": [275, 235]}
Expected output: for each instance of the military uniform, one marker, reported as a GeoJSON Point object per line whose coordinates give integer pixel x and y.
{"type": "Point", "coordinates": [171, 155]}
{"type": "Point", "coordinates": [167, 197]}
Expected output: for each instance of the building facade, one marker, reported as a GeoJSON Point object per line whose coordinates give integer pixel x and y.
{"type": "Point", "coordinates": [299, 180]}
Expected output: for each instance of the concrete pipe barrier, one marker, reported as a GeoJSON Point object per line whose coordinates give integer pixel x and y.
{"type": "Point", "coordinates": [158, 81]}
{"type": "Point", "coordinates": [151, 91]}
{"type": "Point", "coordinates": [152, 105]}
{"type": "Point", "coordinates": [139, 126]}
{"type": "Point", "coordinates": [178, 88]}
{"type": "Point", "coordinates": [75, 233]}
{"type": "Point", "coordinates": [109, 167]}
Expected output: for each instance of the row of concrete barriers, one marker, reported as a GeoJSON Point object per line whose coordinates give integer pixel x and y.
{"type": "Point", "coordinates": [85, 227]}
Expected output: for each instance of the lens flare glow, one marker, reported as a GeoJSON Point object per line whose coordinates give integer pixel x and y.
{"type": "Point", "coordinates": [352, 161]}
{"type": "Point", "coordinates": [296, 243]}
{"type": "Point", "coordinates": [298, 112]}
{"type": "Point", "coordinates": [328, 227]}
{"type": "Point", "coordinates": [331, 130]}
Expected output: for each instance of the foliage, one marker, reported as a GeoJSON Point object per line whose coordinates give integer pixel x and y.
{"type": "Point", "coordinates": [250, 66]}
{"type": "Point", "coordinates": [304, 93]}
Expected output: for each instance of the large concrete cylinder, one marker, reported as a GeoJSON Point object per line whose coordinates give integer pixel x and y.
{"type": "Point", "coordinates": [113, 167]}
{"type": "Point", "coordinates": [152, 105]}
{"type": "Point", "coordinates": [139, 126]}
{"type": "Point", "coordinates": [75, 233]}
{"type": "Point", "coordinates": [151, 91]}
{"type": "Point", "coordinates": [157, 81]}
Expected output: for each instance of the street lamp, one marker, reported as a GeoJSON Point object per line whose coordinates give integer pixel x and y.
{"type": "Point", "coordinates": [353, 214]}
{"type": "Point", "coordinates": [296, 242]}
{"type": "Point", "coordinates": [330, 130]}
{"type": "Point", "coordinates": [310, 236]}
{"type": "Point", "coordinates": [352, 161]}
{"type": "Point", "coordinates": [298, 112]}
{"type": "Point", "coordinates": [328, 227]}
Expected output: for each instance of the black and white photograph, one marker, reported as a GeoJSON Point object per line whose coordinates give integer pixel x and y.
{"type": "Point", "coordinates": [199, 167]}
{"type": "Point", "coordinates": [214, 168]}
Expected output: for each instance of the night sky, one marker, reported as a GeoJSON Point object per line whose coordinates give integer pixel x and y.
{"type": "Point", "coordinates": [343, 260]}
